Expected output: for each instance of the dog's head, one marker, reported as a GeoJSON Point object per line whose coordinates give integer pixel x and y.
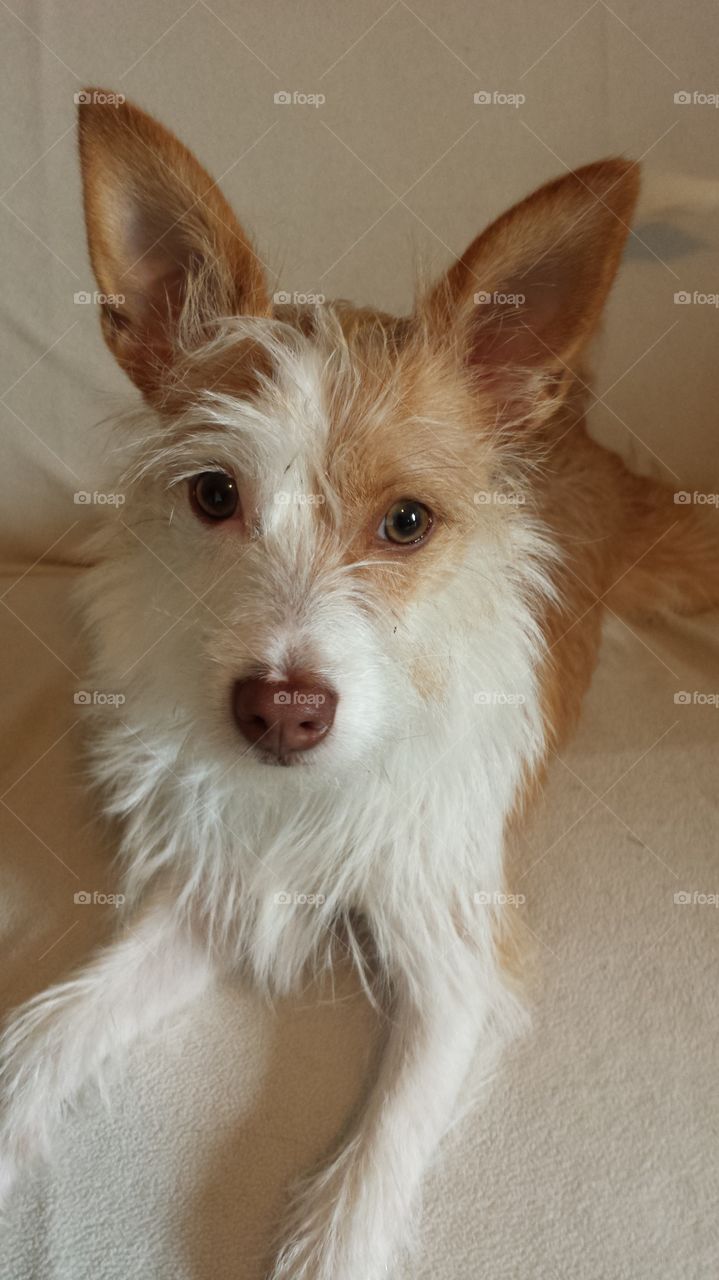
{"type": "Point", "coordinates": [318, 546]}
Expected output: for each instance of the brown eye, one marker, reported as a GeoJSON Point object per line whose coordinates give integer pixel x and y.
{"type": "Point", "coordinates": [407, 521]}
{"type": "Point", "coordinates": [214, 495]}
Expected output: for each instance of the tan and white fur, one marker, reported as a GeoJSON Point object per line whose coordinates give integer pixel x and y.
{"type": "Point", "coordinates": [458, 662]}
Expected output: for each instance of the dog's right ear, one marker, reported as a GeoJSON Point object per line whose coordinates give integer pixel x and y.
{"type": "Point", "coordinates": [524, 299]}
{"type": "Point", "coordinates": [166, 248]}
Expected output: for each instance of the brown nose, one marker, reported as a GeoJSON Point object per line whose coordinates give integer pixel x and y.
{"type": "Point", "coordinates": [283, 716]}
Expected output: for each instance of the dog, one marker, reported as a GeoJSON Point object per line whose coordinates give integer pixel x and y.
{"type": "Point", "coordinates": [352, 600]}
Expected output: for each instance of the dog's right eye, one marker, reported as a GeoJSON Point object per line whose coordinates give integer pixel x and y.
{"type": "Point", "coordinates": [214, 495]}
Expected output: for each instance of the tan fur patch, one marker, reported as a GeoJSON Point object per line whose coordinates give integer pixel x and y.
{"type": "Point", "coordinates": [407, 428]}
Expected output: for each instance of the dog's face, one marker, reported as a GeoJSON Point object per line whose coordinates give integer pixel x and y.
{"type": "Point", "coordinates": [288, 531]}
{"type": "Point", "coordinates": [311, 533]}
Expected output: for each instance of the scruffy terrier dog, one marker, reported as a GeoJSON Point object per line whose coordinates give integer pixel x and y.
{"type": "Point", "coordinates": [371, 550]}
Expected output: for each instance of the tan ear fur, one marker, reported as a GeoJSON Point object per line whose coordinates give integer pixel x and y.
{"type": "Point", "coordinates": [554, 256]}
{"type": "Point", "coordinates": [164, 243]}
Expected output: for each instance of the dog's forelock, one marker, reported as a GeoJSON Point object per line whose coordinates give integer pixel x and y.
{"type": "Point", "coordinates": [347, 409]}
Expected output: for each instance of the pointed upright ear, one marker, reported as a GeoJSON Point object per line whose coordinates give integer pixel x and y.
{"type": "Point", "coordinates": [527, 295]}
{"type": "Point", "coordinates": [166, 248]}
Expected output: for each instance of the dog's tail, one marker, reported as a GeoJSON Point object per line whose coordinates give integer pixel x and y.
{"type": "Point", "coordinates": [669, 550]}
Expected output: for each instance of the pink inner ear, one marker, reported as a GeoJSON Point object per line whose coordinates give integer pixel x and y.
{"type": "Point", "coordinates": [150, 253]}
{"type": "Point", "coordinates": [527, 295]}
{"type": "Point", "coordinates": [154, 275]}
{"type": "Point", "coordinates": [525, 319]}
{"type": "Point", "coordinates": [151, 282]}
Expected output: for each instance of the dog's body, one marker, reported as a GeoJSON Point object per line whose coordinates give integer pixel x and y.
{"type": "Point", "coordinates": [454, 662]}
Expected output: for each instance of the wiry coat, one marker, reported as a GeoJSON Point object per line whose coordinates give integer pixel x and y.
{"type": "Point", "coordinates": [458, 664]}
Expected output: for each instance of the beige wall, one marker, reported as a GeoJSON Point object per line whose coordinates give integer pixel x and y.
{"type": "Point", "coordinates": [398, 166]}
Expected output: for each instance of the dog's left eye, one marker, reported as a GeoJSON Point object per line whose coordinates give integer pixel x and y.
{"type": "Point", "coordinates": [407, 521]}
{"type": "Point", "coordinates": [214, 495]}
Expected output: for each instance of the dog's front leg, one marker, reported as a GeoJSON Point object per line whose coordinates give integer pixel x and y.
{"type": "Point", "coordinates": [60, 1039]}
{"type": "Point", "coordinates": [351, 1219]}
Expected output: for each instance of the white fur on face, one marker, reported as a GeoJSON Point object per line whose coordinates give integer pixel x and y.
{"type": "Point", "coordinates": [178, 611]}
{"type": "Point", "coordinates": [223, 602]}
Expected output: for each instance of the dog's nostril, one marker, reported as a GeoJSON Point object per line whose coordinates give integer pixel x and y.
{"type": "Point", "coordinates": [273, 714]}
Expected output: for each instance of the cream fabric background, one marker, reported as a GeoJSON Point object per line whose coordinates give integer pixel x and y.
{"type": "Point", "coordinates": [595, 1155]}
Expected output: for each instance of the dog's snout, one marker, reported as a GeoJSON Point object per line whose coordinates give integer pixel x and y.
{"type": "Point", "coordinates": [284, 716]}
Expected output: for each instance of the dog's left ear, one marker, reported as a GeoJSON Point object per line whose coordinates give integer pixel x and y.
{"type": "Point", "coordinates": [166, 248]}
{"type": "Point", "coordinates": [527, 295]}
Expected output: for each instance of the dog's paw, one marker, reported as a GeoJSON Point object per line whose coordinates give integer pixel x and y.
{"type": "Point", "coordinates": [335, 1229]}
